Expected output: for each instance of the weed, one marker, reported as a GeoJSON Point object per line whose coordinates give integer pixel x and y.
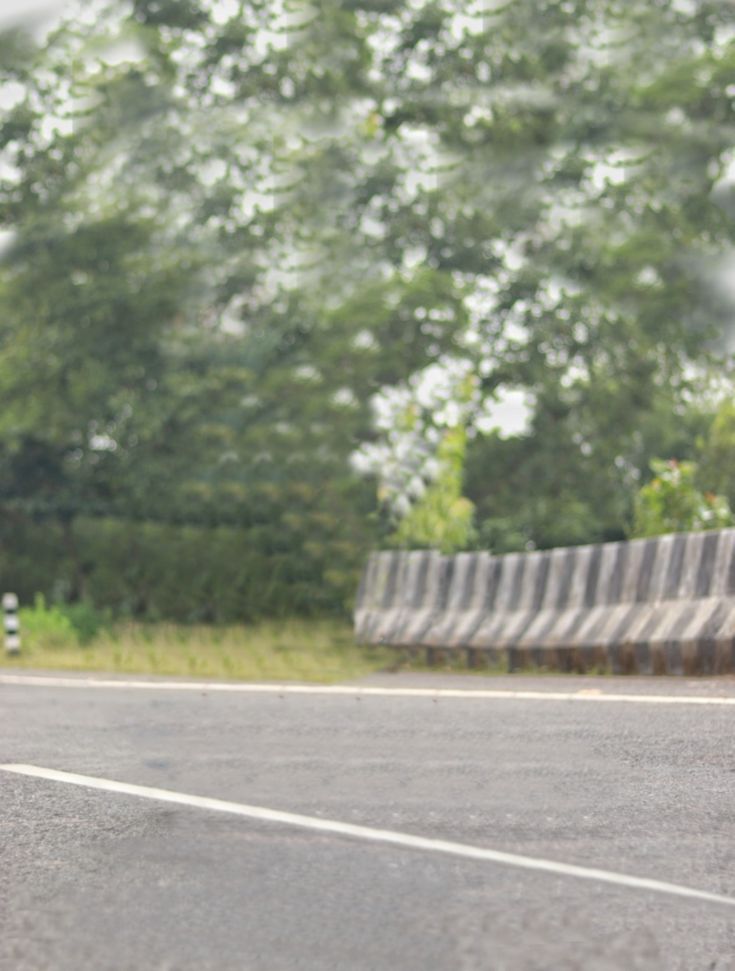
{"type": "Point", "coordinates": [302, 650]}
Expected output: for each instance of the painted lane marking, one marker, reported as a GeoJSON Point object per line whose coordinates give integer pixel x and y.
{"type": "Point", "coordinates": [405, 840]}
{"type": "Point", "coordinates": [583, 694]}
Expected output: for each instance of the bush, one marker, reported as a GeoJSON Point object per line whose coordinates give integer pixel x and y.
{"type": "Point", "coordinates": [86, 619]}
{"type": "Point", "coordinates": [672, 503]}
{"type": "Point", "coordinates": [442, 518]}
{"type": "Point", "coordinates": [187, 574]}
{"type": "Point", "coordinates": [60, 625]}
{"type": "Point", "coordinates": [43, 626]}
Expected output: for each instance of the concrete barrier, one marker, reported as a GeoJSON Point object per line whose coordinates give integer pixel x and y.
{"type": "Point", "coordinates": [662, 605]}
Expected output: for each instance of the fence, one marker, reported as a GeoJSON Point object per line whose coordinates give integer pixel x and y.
{"type": "Point", "coordinates": [663, 605]}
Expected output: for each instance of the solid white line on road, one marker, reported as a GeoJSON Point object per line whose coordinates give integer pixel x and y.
{"type": "Point", "coordinates": [238, 687]}
{"type": "Point", "coordinates": [368, 833]}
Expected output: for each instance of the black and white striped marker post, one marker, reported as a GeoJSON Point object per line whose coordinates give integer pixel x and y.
{"type": "Point", "coordinates": [11, 623]}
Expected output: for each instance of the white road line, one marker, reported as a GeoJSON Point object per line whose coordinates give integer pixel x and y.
{"type": "Point", "coordinates": [584, 694]}
{"type": "Point", "coordinates": [368, 833]}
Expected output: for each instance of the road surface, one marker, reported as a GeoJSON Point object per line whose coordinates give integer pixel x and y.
{"type": "Point", "coordinates": [524, 789]}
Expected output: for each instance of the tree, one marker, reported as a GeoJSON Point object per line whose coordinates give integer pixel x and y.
{"type": "Point", "coordinates": [239, 229]}
{"type": "Point", "coordinates": [586, 191]}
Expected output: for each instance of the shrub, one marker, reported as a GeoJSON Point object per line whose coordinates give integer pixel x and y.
{"type": "Point", "coordinates": [672, 503]}
{"type": "Point", "coordinates": [442, 518]}
{"type": "Point", "coordinates": [188, 574]}
{"type": "Point", "coordinates": [86, 620]}
{"type": "Point", "coordinates": [44, 626]}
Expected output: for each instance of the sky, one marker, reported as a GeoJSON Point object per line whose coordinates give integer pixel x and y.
{"type": "Point", "coordinates": [13, 12]}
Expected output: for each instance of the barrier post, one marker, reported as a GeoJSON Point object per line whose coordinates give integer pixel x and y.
{"type": "Point", "coordinates": [11, 623]}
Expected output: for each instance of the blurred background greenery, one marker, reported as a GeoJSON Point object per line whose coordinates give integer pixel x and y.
{"type": "Point", "coordinates": [282, 283]}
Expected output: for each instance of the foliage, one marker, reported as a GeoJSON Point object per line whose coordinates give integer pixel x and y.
{"type": "Point", "coordinates": [672, 503]}
{"type": "Point", "coordinates": [550, 487]}
{"type": "Point", "coordinates": [442, 518]}
{"type": "Point", "coordinates": [239, 233]}
{"type": "Point", "coordinates": [584, 256]}
{"type": "Point", "coordinates": [86, 619]}
{"type": "Point", "coordinates": [60, 624]}
{"type": "Point", "coordinates": [46, 626]}
{"type": "Point", "coordinates": [717, 452]}
{"type": "Point", "coordinates": [191, 574]}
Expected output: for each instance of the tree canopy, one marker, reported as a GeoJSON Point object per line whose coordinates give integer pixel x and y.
{"type": "Point", "coordinates": [263, 259]}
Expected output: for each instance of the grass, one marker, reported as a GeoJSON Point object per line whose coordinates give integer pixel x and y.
{"type": "Point", "coordinates": [290, 650]}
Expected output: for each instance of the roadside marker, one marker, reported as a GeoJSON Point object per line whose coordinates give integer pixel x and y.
{"type": "Point", "coordinates": [11, 623]}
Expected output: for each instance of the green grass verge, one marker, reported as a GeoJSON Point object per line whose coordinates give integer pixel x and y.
{"type": "Point", "coordinates": [296, 650]}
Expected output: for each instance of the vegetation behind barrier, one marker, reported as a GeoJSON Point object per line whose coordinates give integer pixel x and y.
{"type": "Point", "coordinates": [187, 574]}
{"type": "Point", "coordinates": [274, 291]}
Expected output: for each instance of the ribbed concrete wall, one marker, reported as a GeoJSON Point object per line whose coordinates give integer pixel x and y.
{"type": "Point", "coordinates": [655, 605]}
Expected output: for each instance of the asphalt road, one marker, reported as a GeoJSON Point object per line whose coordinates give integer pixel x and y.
{"type": "Point", "coordinates": [109, 882]}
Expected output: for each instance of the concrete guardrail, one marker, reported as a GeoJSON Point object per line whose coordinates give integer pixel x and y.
{"type": "Point", "coordinates": [662, 605]}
